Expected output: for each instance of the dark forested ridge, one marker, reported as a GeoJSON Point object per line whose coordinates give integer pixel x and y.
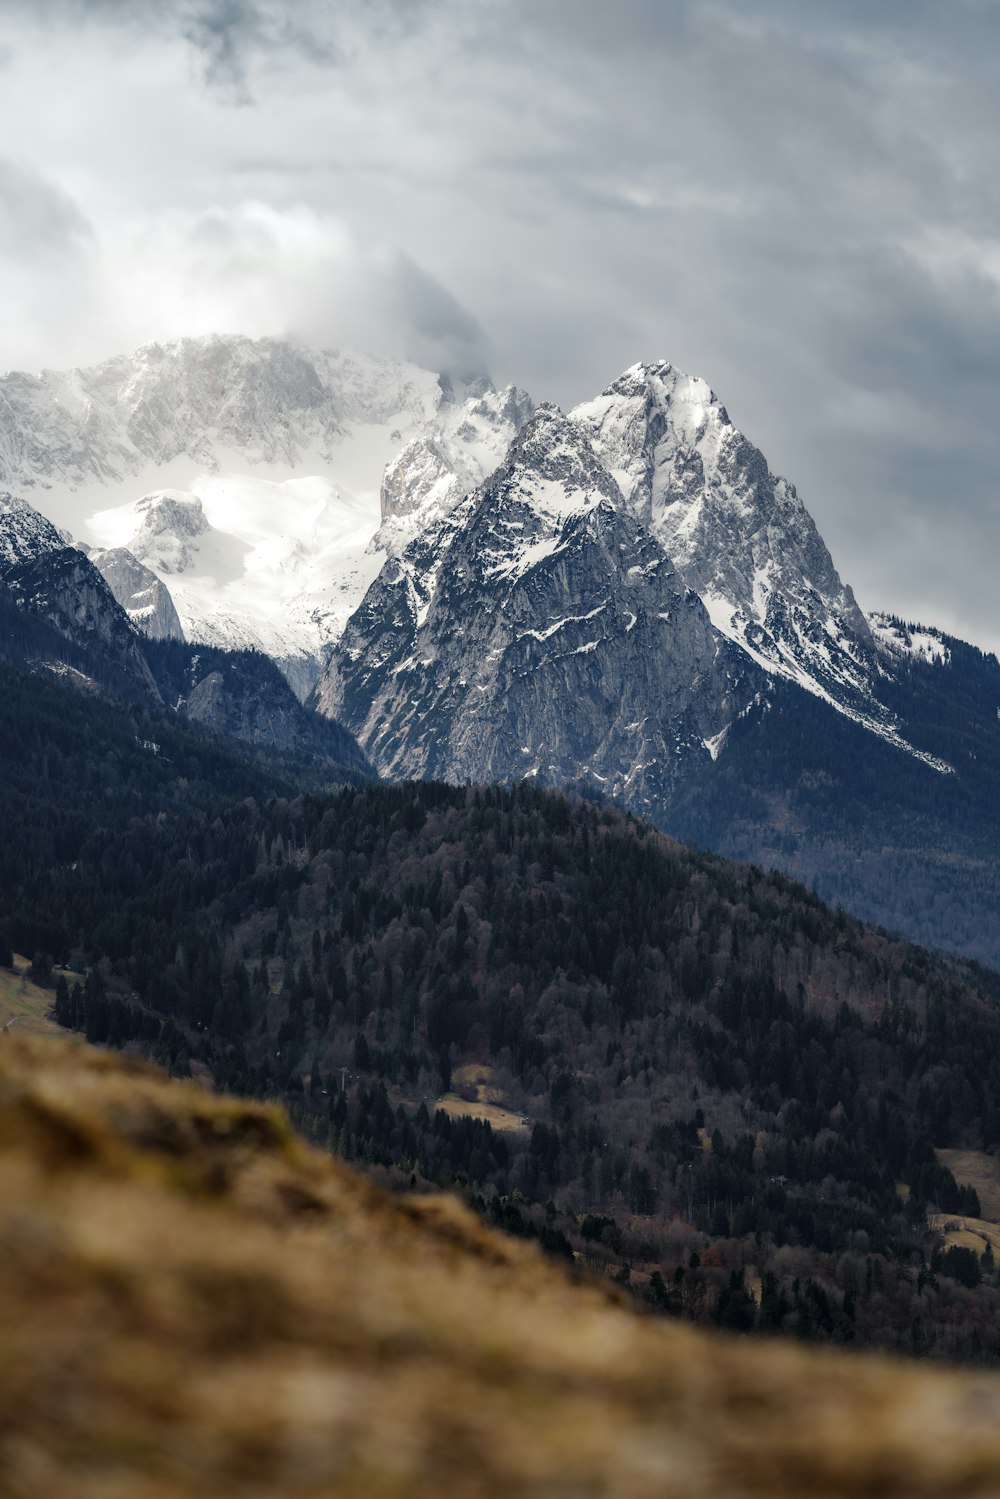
{"type": "Point", "coordinates": [74, 762]}
{"type": "Point", "coordinates": [802, 788]}
{"type": "Point", "coordinates": [703, 1080]}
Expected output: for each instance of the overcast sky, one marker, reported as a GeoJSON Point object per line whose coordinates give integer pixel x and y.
{"type": "Point", "coordinates": [798, 200]}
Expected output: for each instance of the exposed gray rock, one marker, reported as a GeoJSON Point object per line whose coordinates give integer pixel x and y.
{"type": "Point", "coordinates": [145, 599]}
{"type": "Point", "coordinates": [64, 589]}
{"type": "Point", "coordinates": [447, 459]}
{"type": "Point", "coordinates": [540, 629]}
{"type": "Point", "coordinates": [739, 535]}
{"type": "Point", "coordinates": [242, 695]}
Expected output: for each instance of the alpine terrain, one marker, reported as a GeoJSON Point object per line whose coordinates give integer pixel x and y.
{"type": "Point", "coordinates": [245, 475]}
{"type": "Point", "coordinates": [624, 599]}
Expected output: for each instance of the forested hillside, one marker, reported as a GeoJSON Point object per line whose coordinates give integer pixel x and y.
{"type": "Point", "coordinates": [73, 761]}
{"type": "Point", "coordinates": [704, 1081]}
{"type": "Point", "coordinates": [802, 788]}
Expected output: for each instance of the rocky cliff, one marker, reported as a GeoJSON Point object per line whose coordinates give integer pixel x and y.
{"type": "Point", "coordinates": [539, 629]}
{"type": "Point", "coordinates": [145, 599]}
{"type": "Point", "coordinates": [56, 585]}
{"type": "Point", "coordinates": [738, 534]}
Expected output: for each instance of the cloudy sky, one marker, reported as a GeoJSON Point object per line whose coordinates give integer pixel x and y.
{"type": "Point", "coordinates": [797, 199]}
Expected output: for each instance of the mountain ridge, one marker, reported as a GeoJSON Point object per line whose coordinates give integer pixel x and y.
{"type": "Point", "coordinates": [557, 638]}
{"type": "Point", "coordinates": [777, 610]}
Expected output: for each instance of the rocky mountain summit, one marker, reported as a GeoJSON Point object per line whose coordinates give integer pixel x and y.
{"type": "Point", "coordinates": [539, 629]}
{"type": "Point", "coordinates": [737, 533]}
{"type": "Point", "coordinates": [601, 610]}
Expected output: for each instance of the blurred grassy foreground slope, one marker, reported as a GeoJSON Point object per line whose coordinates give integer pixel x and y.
{"type": "Point", "coordinates": [193, 1302]}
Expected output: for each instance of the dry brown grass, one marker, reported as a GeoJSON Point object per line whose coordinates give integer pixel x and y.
{"type": "Point", "coordinates": [193, 1303]}
{"type": "Point", "coordinates": [974, 1168]}
{"type": "Point", "coordinates": [486, 1103]}
{"type": "Point", "coordinates": [25, 1007]}
{"type": "Point", "coordinates": [974, 1233]}
{"type": "Point", "coordinates": [499, 1117]}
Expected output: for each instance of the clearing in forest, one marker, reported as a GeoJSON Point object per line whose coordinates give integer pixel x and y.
{"type": "Point", "coordinates": [477, 1097]}
{"type": "Point", "coordinates": [24, 1007]}
{"type": "Point", "coordinates": [970, 1233]}
{"type": "Point", "coordinates": [974, 1168]}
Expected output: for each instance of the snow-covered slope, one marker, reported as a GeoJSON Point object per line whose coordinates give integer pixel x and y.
{"type": "Point", "coordinates": [901, 642]}
{"type": "Point", "coordinates": [254, 563]}
{"type": "Point", "coordinates": [447, 460]}
{"type": "Point", "coordinates": [24, 533]}
{"type": "Point", "coordinates": [246, 474]}
{"type": "Point", "coordinates": [739, 535]}
{"type": "Point", "coordinates": [272, 401]}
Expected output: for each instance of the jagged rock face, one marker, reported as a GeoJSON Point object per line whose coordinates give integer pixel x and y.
{"type": "Point", "coordinates": [145, 599]}
{"type": "Point", "coordinates": [170, 525]}
{"type": "Point", "coordinates": [243, 695]}
{"type": "Point", "coordinates": [65, 589]}
{"type": "Point", "coordinates": [269, 398]}
{"type": "Point", "coordinates": [739, 535]}
{"type": "Point", "coordinates": [448, 460]}
{"type": "Point", "coordinates": [540, 629]}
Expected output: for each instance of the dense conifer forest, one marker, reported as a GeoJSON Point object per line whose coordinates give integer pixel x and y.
{"type": "Point", "coordinates": [696, 1077]}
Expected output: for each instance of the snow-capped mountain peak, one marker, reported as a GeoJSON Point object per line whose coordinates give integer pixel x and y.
{"type": "Point", "coordinates": [739, 534]}
{"type": "Point", "coordinates": [24, 533]}
{"type": "Point", "coordinates": [549, 475]}
{"type": "Point", "coordinates": [537, 629]}
{"type": "Point", "coordinates": [652, 426]}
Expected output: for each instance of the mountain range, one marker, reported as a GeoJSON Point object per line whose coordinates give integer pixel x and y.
{"type": "Point", "coordinates": [623, 599]}
{"type": "Point", "coordinates": [59, 618]}
{"type": "Point", "coordinates": [246, 475]}
{"type": "Point", "coordinates": [690, 1074]}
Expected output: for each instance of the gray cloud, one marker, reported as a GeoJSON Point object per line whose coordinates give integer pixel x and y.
{"type": "Point", "coordinates": [798, 201]}
{"type": "Point", "coordinates": [36, 217]}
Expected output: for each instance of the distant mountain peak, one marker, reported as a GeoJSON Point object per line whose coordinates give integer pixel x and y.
{"type": "Point", "coordinates": [536, 629]}
{"type": "Point", "coordinates": [739, 534]}
{"type": "Point", "coordinates": [258, 462]}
